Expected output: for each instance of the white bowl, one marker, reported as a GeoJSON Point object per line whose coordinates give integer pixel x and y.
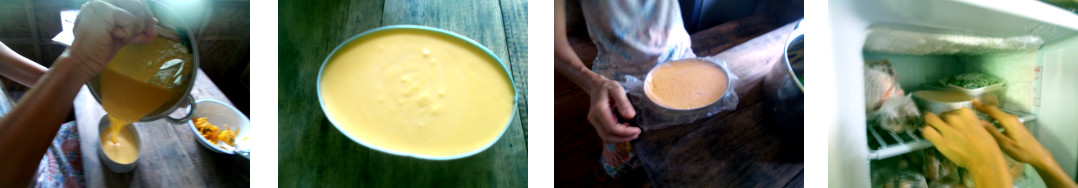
{"type": "Point", "coordinates": [436, 31]}
{"type": "Point", "coordinates": [674, 113]}
{"type": "Point", "coordinates": [219, 114]}
{"type": "Point", "coordinates": [938, 106]}
{"type": "Point", "coordinates": [976, 92]}
{"type": "Point", "coordinates": [111, 164]}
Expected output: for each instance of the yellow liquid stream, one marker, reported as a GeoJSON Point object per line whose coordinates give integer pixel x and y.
{"type": "Point", "coordinates": [417, 92]}
{"type": "Point", "coordinates": [140, 79]}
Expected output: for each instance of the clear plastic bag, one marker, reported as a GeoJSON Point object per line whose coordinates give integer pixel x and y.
{"type": "Point", "coordinates": [651, 116]}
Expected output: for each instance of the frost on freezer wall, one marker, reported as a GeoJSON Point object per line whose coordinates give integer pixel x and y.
{"type": "Point", "coordinates": [928, 56]}
{"type": "Point", "coordinates": [1020, 69]}
{"type": "Point", "coordinates": [916, 71]}
{"type": "Point", "coordinates": [897, 41]}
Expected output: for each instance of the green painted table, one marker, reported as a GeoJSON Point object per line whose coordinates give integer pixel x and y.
{"type": "Point", "coordinates": [314, 153]}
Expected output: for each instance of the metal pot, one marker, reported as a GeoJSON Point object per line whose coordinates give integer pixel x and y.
{"type": "Point", "coordinates": [783, 84]}
{"type": "Point", "coordinates": [168, 18]}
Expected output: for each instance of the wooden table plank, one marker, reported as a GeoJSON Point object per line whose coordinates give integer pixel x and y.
{"type": "Point", "coordinates": [738, 148]}
{"type": "Point", "coordinates": [314, 153]}
{"type": "Point", "coordinates": [515, 19]}
{"type": "Point", "coordinates": [170, 155]}
{"type": "Point", "coordinates": [311, 152]}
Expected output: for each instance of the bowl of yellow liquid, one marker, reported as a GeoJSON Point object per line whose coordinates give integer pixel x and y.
{"type": "Point", "coordinates": [146, 82]}
{"type": "Point", "coordinates": [120, 153]}
{"type": "Point", "coordinates": [417, 91]}
{"type": "Point", "coordinates": [686, 85]}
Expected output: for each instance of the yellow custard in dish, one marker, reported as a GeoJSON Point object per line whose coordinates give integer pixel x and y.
{"type": "Point", "coordinates": [417, 92]}
{"type": "Point", "coordinates": [122, 147]}
{"type": "Point", "coordinates": [137, 81]}
{"type": "Point", "coordinates": [686, 84]}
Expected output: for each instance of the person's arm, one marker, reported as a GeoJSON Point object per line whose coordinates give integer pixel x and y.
{"type": "Point", "coordinates": [962, 140]}
{"type": "Point", "coordinates": [101, 29]}
{"type": "Point", "coordinates": [1051, 173]}
{"type": "Point", "coordinates": [605, 94]}
{"type": "Point", "coordinates": [565, 59]}
{"type": "Point", "coordinates": [1023, 147]}
{"type": "Point", "coordinates": [19, 68]}
{"type": "Point", "coordinates": [26, 131]}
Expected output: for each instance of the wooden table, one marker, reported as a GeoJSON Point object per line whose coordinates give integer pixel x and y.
{"type": "Point", "coordinates": [738, 148]}
{"type": "Point", "coordinates": [312, 153]}
{"type": "Point", "coordinates": [170, 154]}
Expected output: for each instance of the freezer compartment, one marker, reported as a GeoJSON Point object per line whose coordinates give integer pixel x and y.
{"type": "Point", "coordinates": [885, 144]}
{"type": "Point", "coordinates": [851, 22]}
{"type": "Point", "coordinates": [928, 168]}
{"type": "Point", "coordinates": [923, 58]}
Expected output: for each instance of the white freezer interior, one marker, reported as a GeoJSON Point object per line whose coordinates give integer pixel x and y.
{"type": "Point", "coordinates": [922, 72]}
{"type": "Point", "coordinates": [850, 22]}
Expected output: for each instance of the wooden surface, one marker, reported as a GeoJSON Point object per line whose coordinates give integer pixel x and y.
{"type": "Point", "coordinates": [734, 148]}
{"type": "Point", "coordinates": [170, 154]}
{"type": "Point", "coordinates": [738, 148]}
{"type": "Point", "coordinates": [313, 153]}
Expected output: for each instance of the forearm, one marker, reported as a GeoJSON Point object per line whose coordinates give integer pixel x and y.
{"type": "Point", "coordinates": [566, 62]}
{"type": "Point", "coordinates": [26, 131]}
{"type": "Point", "coordinates": [571, 67]}
{"type": "Point", "coordinates": [991, 174]}
{"type": "Point", "coordinates": [19, 68]}
{"type": "Point", "coordinates": [1052, 175]}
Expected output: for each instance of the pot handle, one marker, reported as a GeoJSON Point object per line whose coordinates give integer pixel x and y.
{"type": "Point", "coordinates": [190, 111]}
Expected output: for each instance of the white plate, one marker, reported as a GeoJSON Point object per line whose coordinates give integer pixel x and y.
{"type": "Point", "coordinates": [973, 92]}
{"type": "Point", "coordinates": [219, 114]}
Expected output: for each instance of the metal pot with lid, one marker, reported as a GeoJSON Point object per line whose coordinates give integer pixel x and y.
{"type": "Point", "coordinates": [180, 74]}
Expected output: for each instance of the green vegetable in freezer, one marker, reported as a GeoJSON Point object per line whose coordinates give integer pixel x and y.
{"type": "Point", "coordinates": [973, 80]}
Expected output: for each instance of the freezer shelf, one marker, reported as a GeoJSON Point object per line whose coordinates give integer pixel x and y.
{"type": "Point", "coordinates": [885, 144]}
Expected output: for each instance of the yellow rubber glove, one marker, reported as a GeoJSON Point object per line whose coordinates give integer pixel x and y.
{"type": "Point", "coordinates": [1023, 147]}
{"type": "Point", "coordinates": [960, 136]}
{"type": "Point", "coordinates": [105, 26]}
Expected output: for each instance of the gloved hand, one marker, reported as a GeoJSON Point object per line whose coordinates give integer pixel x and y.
{"type": "Point", "coordinates": [960, 136]}
{"type": "Point", "coordinates": [105, 26]}
{"type": "Point", "coordinates": [606, 95]}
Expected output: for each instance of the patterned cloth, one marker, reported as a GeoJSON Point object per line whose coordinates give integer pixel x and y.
{"type": "Point", "coordinates": [62, 164]}
{"type": "Point", "coordinates": [618, 159]}
{"type": "Point", "coordinates": [632, 36]}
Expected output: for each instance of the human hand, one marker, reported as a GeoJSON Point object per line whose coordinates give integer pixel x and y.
{"type": "Point", "coordinates": [962, 139]}
{"type": "Point", "coordinates": [105, 26]}
{"type": "Point", "coordinates": [607, 95]}
{"type": "Point", "coordinates": [1017, 141]}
